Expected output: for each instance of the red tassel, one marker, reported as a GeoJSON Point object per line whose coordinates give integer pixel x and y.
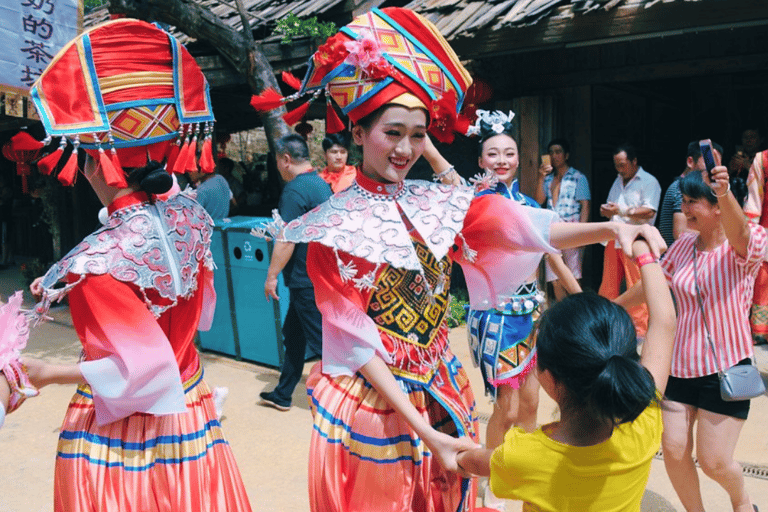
{"type": "Point", "coordinates": [112, 176]}
{"type": "Point", "coordinates": [181, 160]}
{"type": "Point", "coordinates": [115, 160]}
{"type": "Point", "coordinates": [191, 164]}
{"type": "Point", "coordinates": [23, 141]}
{"type": "Point", "coordinates": [267, 100]}
{"type": "Point", "coordinates": [206, 157]}
{"type": "Point", "coordinates": [173, 154]}
{"type": "Point", "coordinates": [291, 80]}
{"type": "Point", "coordinates": [333, 124]}
{"type": "Point", "coordinates": [462, 124]}
{"type": "Point", "coordinates": [48, 164]}
{"type": "Point", "coordinates": [295, 115]}
{"type": "Point", "coordinates": [69, 172]}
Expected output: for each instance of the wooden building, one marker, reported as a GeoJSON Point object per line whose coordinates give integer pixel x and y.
{"type": "Point", "coordinates": [657, 73]}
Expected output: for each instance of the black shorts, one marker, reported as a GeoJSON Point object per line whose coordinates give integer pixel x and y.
{"type": "Point", "coordinates": [704, 393]}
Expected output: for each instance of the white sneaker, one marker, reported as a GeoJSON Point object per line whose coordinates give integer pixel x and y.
{"type": "Point", "coordinates": [491, 501]}
{"type": "Point", "coordinates": [220, 395]}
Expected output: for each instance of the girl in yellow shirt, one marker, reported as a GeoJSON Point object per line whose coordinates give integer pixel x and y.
{"type": "Point", "coordinates": [598, 456]}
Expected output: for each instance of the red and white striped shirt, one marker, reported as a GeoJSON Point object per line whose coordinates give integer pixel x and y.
{"type": "Point", "coordinates": [726, 281]}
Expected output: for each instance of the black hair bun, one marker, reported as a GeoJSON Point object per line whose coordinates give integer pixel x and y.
{"type": "Point", "coordinates": [152, 178]}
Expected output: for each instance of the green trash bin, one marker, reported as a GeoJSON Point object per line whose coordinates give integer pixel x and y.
{"type": "Point", "coordinates": [254, 327]}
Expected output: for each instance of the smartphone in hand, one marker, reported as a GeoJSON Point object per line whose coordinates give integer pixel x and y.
{"type": "Point", "coordinates": [708, 155]}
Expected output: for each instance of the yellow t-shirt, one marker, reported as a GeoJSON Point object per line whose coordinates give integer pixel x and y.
{"type": "Point", "coordinates": [550, 476]}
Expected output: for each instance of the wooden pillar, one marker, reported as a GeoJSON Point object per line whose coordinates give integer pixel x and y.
{"type": "Point", "coordinates": [528, 109]}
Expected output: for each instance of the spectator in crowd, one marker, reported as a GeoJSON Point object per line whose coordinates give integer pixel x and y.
{"type": "Point", "coordinates": [672, 221]}
{"type": "Point", "coordinates": [302, 327]}
{"type": "Point", "coordinates": [756, 209]}
{"type": "Point", "coordinates": [213, 193]}
{"type": "Point", "coordinates": [751, 142]}
{"type": "Point", "coordinates": [633, 199]}
{"type": "Point", "coordinates": [226, 167]}
{"type": "Point", "coordinates": [565, 191]}
{"type": "Point", "coordinates": [337, 173]}
{"type": "Point", "coordinates": [718, 258]}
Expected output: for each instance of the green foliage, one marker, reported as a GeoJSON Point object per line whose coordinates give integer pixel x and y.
{"type": "Point", "coordinates": [90, 5]}
{"type": "Point", "coordinates": [292, 26]}
{"type": "Point", "coordinates": [32, 270]}
{"type": "Point", "coordinates": [456, 314]}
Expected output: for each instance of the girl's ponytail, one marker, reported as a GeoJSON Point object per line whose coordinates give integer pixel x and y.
{"type": "Point", "coordinates": [589, 345]}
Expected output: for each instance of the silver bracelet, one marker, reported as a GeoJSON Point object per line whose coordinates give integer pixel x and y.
{"type": "Point", "coordinates": [441, 175]}
{"type": "Point", "coordinates": [724, 193]}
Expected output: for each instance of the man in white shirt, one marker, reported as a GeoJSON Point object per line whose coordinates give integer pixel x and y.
{"type": "Point", "coordinates": [633, 199]}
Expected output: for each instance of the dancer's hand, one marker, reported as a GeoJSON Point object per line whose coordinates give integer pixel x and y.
{"type": "Point", "coordinates": [38, 371]}
{"type": "Point", "coordinates": [628, 233]}
{"type": "Point", "coordinates": [36, 288]}
{"type": "Point", "coordinates": [446, 449]}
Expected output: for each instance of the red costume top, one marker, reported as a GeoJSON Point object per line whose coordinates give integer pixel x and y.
{"type": "Point", "coordinates": [130, 284]}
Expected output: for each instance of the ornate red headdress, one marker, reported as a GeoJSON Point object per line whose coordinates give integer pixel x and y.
{"type": "Point", "coordinates": [390, 55]}
{"type": "Point", "coordinates": [125, 91]}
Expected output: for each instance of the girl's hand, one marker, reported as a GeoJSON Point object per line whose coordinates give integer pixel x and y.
{"type": "Point", "coordinates": [446, 449]}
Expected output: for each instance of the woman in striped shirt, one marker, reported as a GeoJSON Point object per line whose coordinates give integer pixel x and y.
{"type": "Point", "coordinates": [718, 264]}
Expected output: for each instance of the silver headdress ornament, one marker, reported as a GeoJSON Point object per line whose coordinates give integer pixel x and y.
{"type": "Point", "coordinates": [490, 123]}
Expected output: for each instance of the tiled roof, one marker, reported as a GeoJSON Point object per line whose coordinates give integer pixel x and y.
{"type": "Point", "coordinates": [465, 18]}
{"type": "Point", "coordinates": [263, 13]}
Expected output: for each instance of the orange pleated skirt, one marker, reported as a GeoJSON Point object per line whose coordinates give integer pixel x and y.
{"type": "Point", "coordinates": [147, 463]}
{"type": "Point", "coordinates": [364, 457]}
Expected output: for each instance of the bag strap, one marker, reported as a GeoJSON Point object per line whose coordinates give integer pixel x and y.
{"type": "Point", "coordinates": [701, 306]}
{"type": "Point", "coordinates": [703, 316]}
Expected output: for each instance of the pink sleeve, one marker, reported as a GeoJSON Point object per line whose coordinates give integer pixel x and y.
{"type": "Point", "coordinates": [674, 257]}
{"type": "Point", "coordinates": [209, 300]}
{"type": "Point", "coordinates": [509, 239]}
{"type": "Point", "coordinates": [753, 207]}
{"type": "Point", "coordinates": [350, 336]}
{"type": "Point", "coordinates": [130, 364]}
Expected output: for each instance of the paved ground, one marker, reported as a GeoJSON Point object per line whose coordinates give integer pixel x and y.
{"type": "Point", "coordinates": [271, 447]}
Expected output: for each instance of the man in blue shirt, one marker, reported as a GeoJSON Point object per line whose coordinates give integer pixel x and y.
{"type": "Point", "coordinates": [302, 327]}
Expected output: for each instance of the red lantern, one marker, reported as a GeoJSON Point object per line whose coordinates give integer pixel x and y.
{"type": "Point", "coordinates": [22, 149]}
{"type": "Point", "coordinates": [303, 128]}
{"type": "Point", "coordinates": [478, 93]}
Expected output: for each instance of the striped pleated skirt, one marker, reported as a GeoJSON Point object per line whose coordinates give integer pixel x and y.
{"type": "Point", "coordinates": [365, 457]}
{"type": "Point", "coordinates": [147, 463]}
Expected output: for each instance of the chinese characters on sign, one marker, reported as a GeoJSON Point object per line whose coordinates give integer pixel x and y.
{"type": "Point", "coordinates": [33, 31]}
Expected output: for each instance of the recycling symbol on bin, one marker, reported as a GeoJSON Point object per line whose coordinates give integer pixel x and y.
{"type": "Point", "coordinates": [247, 246]}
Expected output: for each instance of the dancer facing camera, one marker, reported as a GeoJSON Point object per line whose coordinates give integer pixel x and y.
{"type": "Point", "coordinates": [499, 337]}
{"type": "Point", "coordinates": [392, 406]}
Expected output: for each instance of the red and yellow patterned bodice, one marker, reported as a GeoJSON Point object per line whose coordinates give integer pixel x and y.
{"type": "Point", "coordinates": [411, 315]}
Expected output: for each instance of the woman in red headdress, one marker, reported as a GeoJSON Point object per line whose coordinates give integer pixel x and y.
{"type": "Point", "coordinates": [141, 431]}
{"type": "Point", "coordinates": [392, 405]}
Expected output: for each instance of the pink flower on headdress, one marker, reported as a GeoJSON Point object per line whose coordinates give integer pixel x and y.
{"type": "Point", "coordinates": [365, 53]}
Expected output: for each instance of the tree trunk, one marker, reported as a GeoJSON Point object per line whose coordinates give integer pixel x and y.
{"type": "Point", "coordinates": [199, 22]}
